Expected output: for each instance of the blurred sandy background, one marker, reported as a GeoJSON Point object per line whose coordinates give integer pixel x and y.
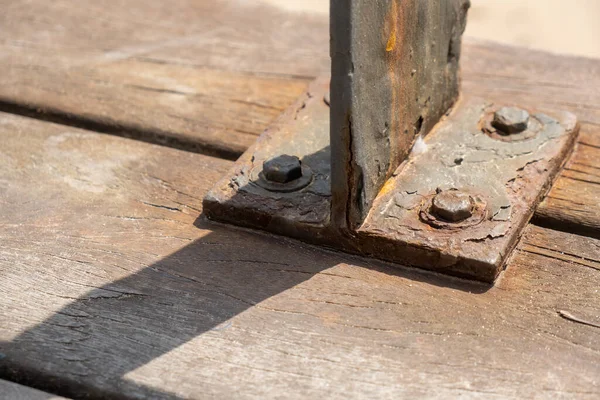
{"type": "Point", "coordinates": [561, 26]}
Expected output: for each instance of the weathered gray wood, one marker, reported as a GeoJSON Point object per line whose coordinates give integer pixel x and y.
{"type": "Point", "coordinates": [111, 286]}
{"type": "Point", "coordinates": [207, 75]}
{"type": "Point", "coordinates": [394, 75]}
{"type": "Point", "coordinates": [573, 204]}
{"type": "Point", "coordinates": [12, 391]}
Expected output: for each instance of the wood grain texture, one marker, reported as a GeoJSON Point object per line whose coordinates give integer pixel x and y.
{"type": "Point", "coordinates": [116, 288]}
{"type": "Point", "coordinates": [573, 204]}
{"type": "Point", "coordinates": [206, 75]}
{"type": "Point", "coordinates": [12, 391]}
{"type": "Point", "coordinates": [211, 75]}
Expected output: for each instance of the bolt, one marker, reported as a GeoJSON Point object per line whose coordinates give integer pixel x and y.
{"type": "Point", "coordinates": [453, 206]}
{"type": "Point", "coordinates": [511, 120]}
{"type": "Point", "coordinates": [282, 169]}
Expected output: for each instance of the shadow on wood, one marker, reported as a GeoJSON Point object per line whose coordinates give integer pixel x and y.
{"type": "Point", "coordinates": [126, 324]}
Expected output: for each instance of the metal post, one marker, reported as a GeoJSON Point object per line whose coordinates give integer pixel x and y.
{"type": "Point", "coordinates": [457, 207]}
{"type": "Point", "coordinates": [394, 75]}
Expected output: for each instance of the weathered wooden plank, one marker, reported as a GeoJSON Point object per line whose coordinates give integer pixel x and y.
{"type": "Point", "coordinates": [12, 391]}
{"type": "Point", "coordinates": [573, 204]}
{"type": "Point", "coordinates": [198, 113]}
{"type": "Point", "coordinates": [394, 74]}
{"type": "Point", "coordinates": [111, 286]}
{"type": "Point", "coordinates": [85, 193]}
{"type": "Point", "coordinates": [207, 75]}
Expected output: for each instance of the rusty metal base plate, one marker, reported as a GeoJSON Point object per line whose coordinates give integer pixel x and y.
{"type": "Point", "coordinates": [503, 178]}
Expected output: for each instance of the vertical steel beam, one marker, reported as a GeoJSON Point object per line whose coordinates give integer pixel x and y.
{"type": "Point", "coordinates": [394, 75]}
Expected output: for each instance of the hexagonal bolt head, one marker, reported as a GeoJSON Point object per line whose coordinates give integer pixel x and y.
{"type": "Point", "coordinates": [511, 120]}
{"type": "Point", "coordinates": [282, 169]}
{"type": "Point", "coordinates": [452, 206]}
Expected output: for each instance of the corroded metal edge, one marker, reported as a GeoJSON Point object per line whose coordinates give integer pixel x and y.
{"type": "Point", "coordinates": [510, 177]}
{"type": "Point", "coordinates": [475, 251]}
{"type": "Point", "coordinates": [241, 198]}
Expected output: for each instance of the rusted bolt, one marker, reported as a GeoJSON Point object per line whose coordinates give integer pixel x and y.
{"type": "Point", "coordinates": [282, 169]}
{"type": "Point", "coordinates": [509, 120]}
{"type": "Point", "coordinates": [452, 205]}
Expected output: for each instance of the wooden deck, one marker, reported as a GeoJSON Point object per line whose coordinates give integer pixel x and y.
{"type": "Point", "coordinates": [117, 117]}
